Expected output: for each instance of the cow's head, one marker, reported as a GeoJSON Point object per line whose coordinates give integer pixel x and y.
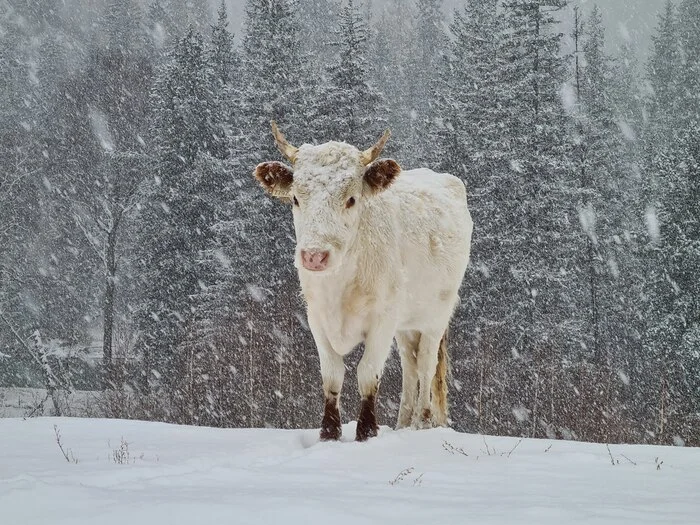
{"type": "Point", "coordinates": [329, 187]}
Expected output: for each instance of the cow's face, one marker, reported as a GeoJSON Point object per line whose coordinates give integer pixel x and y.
{"type": "Point", "coordinates": [328, 188]}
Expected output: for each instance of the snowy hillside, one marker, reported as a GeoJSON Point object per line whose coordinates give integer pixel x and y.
{"type": "Point", "coordinates": [129, 472]}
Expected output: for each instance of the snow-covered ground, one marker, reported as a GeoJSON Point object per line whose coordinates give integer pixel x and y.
{"type": "Point", "coordinates": [131, 472]}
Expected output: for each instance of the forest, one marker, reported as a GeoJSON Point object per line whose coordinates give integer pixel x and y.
{"type": "Point", "coordinates": [140, 261]}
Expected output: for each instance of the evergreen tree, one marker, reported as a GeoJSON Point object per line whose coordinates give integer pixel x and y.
{"type": "Point", "coordinates": [664, 74]}
{"type": "Point", "coordinates": [670, 345]}
{"type": "Point", "coordinates": [256, 234]}
{"type": "Point", "coordinates": [672, 216]}
{"type": "Point", "coordinates": [536, 264]}
{"type": "Point", "coordinates": [316, 17]}
{"type": "Point", "coordinates": [390, 70]}
{"type": "Point", "coordinates": [224, 57]}
{"type": "Point", "coordinates": [469, 145]}
{"type": "Point", "coordinates": [424, 63]}
{"type": "Point", "coordinates": [689, 32]}
{"type": "Point", "coordinates": [349, 108]}
{"type": "Point", "coordinates": [470, 133]}
{"type": "Point", "coordinates": [185, 130]}
{"type": "Point", "coordinates": [277, 80]}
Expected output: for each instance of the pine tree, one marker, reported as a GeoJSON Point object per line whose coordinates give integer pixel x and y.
{"type": "Point", "coordinates": [224, 56]}
{"type": "Point", "coordinates": [316, 17]}
{"type": "Point", "coordinates": [536, 265]}
{"type": "Point", "coordinates": [422, 82]}
{"type": "Point", "coordinates": [689, 32]}
{"type": "Point", "coordinates": [390, 71]}
{"type": "Point", "coordinates": [177, 226]}
{"type": "Point", "coordinates": [349, 108]}
{"type": "Point", "coordinates": [469, 142]}
{"type": "Point", "coordinates": [277, 82]}
{"type": "Point", "coordinates": [469, 109]}
{"type": "Point", "coordinates": [254, 236]}
{"type": "Point", "coordinates": [664, 74]}
{"type": "Point", "coordinates": [673, 219]}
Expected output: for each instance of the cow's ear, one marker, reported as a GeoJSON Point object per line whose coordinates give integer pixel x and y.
{"type": "Point", "coordinates": [276, 178]}
{"type": "Point", "coordinates": [380, 174]}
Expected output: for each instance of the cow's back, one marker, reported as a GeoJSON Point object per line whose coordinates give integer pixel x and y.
{"type": "Point", "coordinates": [435, 230]}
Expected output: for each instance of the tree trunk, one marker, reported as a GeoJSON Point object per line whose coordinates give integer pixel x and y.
{"type": "Point", "coordinates": [111, 380]}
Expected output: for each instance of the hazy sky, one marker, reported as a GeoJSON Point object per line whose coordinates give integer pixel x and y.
{"type": "Point", "coordinates": [632, 20]}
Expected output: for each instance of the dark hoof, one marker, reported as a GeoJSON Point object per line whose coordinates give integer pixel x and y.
{"type": "Point", "coordinates": [331, 429]}
{"type": "Point", "coordinates": [367, 422]}
{"type": "Point", "coordinates": [331, 433]}
{"type": "Point", "coordinates": [364, 432]}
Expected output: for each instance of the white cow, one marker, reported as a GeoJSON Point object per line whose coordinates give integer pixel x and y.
{"type": "Point", "coordinates": [381, 254]}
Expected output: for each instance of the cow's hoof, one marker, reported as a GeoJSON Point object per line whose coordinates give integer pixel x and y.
{"type": "Point", "coordinates": [366, 431]}
{"type": "Point", "coordinates": [331, 433]}
{"type": "Point", "coordinates": [367, 421]}
{"type": "Point", "coordinates": [331, 427]}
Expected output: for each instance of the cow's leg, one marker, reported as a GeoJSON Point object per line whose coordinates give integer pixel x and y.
{"type": "Point", "coordinates": [369, 373]}
{"type": "Point", "coordinates": [408, 350]}
{"type": "Point", "coordinates": [427, 363]}
{"type": "Point", "coordinates": [332, 374]}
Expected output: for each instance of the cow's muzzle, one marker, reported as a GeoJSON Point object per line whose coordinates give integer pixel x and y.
{"type": "Point", "coordinates": [315, 261]}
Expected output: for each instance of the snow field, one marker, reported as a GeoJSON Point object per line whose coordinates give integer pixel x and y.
{"type": "Point", "coordinates": [132, 472]}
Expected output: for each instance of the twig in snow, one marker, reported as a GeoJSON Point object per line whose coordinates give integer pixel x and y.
{"type": "Point", "coordinates": [401, 475]}
{"type": "Point", "coordinates": [516, 446]}
{"type": "Point", "coordinates": [452, 449]}
{"type": "Point", "coordinates": [488, 451]}
{"type": "Point", "coordinates": [658, 464]}
{"type": "Point", "coordinates": [69, 459]}
{"type": "Point", "coordinates": [612, 459]}
{"type": "Point", "coordinates": [628, 459]}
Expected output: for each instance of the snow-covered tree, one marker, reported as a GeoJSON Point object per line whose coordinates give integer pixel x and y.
{"type": "Point", "coordinates": [349, 108]}
{"type": "Point", "coordinates": [185, 129]}
{"type": "Point", "coordinates": [672, 177]}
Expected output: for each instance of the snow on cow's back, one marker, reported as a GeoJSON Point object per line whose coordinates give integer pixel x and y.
{"type": "Point", "coordinates": [436, 228]}
{"type": "Point", "coordinates": [433, 202]}
{"type": "Point", "coordinates": [429, 181]}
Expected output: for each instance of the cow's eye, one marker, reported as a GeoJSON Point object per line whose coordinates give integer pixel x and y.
{"type": "Point", "coordinates": [350, 202]}
{"type": "Point", "coordinates": [296, 202]}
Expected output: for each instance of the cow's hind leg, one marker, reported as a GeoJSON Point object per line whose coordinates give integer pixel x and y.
{"type": "Point", "coordinates": [369, 373]}
{"type": "Point", "coordinates": [408, 351]}
{"type": "Point", "coordinates": [427, 363]}
{"type": "Point", "coordinates": [332, 373]}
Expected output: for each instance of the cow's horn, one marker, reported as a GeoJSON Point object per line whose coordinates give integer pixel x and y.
{"type": "Point", "coordinates": [285, 147]}
{"type": "Point", "coordinates": [369, 155]}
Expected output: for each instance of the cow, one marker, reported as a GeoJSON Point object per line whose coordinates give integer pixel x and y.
{"type": "Point", "coordinates": [381, 254]}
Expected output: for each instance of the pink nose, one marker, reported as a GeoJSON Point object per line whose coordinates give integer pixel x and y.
{"type": "Point", "coordinates": [314, 261]}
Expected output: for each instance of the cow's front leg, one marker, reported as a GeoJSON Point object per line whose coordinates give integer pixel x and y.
{"type": "Point", "coordinates": [332, 374]}
{"type": "Point", "coordinates": [369, 373]}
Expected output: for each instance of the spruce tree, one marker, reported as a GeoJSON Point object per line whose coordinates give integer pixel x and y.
{"type": "Point", "coordinates": [224, 57]}
{"type": "Point", "coordinates": [672, 215]}
{"type": "Point", "coordinates": [664, 74]}
{"type": "Point", "coordinates": [537, 266]}
{"type": "Point", "coordinates": [185, 130]}
{"type": "Point", "coordinates": [349, 108]}
{"type": "Point", "coordinates": [256, 236]}
{"type": "Point", "coordinates": [422, 83]}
